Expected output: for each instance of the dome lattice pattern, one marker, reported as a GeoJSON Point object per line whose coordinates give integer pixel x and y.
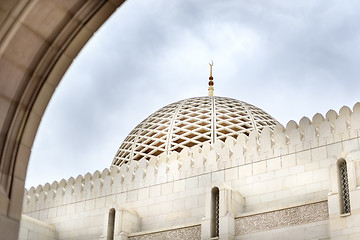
{"type": "Point", "coordinates": [191, 122]}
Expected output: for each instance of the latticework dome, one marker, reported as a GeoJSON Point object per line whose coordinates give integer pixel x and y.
{"type": "Point", "coordinates": [191, 122]}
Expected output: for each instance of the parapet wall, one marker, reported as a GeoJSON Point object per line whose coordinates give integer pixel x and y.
{"type": "Point", "coordinates": [280, 141]}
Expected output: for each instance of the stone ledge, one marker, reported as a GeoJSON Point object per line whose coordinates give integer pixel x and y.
{"type": "Point", "coordinates": [274, 209]}
{"type": "Point", "coordinates": [25, 219]}
{"type": "Point", "coordinates": [189, 231]}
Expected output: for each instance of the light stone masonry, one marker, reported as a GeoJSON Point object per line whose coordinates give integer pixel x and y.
{"type": "Point", "coordinates": [281, 183]}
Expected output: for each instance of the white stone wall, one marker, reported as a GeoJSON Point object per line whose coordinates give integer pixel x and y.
{"type": "Point", "coordinates": [281, 168]}
{"type": "Point", "coordinates": [31, 229]}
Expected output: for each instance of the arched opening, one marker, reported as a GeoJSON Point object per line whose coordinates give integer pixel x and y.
{"type": "Point", "coordinates": [42, 62]}
{"type": "Point", "coordinates": [344, 196]}
{"type": "Point", "coordinates": [214, 216]}
{"type": "Point", "coordinates": [111, 224]}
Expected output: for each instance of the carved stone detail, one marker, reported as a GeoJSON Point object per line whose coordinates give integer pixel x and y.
{"type": "Point", "coordinates": [282, 218]}
{"type": "Point", "coordinates": [193, 232]}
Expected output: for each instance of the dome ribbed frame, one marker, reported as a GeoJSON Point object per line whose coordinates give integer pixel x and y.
{"type": "Point", "coordinates": [191, 122]}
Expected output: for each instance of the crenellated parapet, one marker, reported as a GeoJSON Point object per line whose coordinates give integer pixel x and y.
{"type": "Point", "coordinates": [271, 143]}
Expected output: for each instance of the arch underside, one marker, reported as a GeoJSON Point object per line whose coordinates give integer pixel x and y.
{"type": "Point", "coordinates": [38, 42]}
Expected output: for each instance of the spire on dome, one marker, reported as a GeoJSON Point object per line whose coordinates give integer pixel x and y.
{"type": "Point", "coordinates": [211, 83]}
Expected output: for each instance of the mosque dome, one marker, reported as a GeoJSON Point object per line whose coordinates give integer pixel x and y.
{"type": "Point", "coordinates": [191, 122]}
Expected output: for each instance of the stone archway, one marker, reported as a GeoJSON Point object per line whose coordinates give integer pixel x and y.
{"type": "Point", "coordinates": [38, 41]}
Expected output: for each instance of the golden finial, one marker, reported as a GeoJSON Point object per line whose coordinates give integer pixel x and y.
{"type": "Point", "coordinates": [211, 83]}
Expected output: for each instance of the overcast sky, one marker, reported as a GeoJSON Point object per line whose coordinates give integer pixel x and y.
{"type": "Point", "coordinates": [290, 58]}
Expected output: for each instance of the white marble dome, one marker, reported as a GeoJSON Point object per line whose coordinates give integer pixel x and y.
{"type": "Point", "coordinates": [191, 122]}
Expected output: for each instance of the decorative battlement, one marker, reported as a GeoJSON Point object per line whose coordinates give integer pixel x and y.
{"type": "Point", "coordinates": [295, 137]}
